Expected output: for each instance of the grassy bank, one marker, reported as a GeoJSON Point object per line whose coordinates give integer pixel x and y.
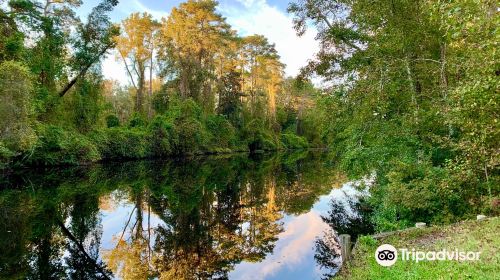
{"type": "Point", "coordinates": [466, 236]}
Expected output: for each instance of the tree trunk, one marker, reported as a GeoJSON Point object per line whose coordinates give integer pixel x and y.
{"type": "Point", "coordinates": [139, 105]}
{"type": "Point", "coordinates": [150, 94]}
{"type": "Point", "coordinates": [82, 73]}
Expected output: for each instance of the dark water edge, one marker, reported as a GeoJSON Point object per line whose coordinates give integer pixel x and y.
{"type": "Point", "coordinates": [211, 217]}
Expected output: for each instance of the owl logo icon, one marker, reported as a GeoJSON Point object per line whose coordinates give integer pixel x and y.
{"type": "Point", "coordinates": [386, 255]}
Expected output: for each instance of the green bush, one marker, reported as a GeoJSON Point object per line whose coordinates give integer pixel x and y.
{"type": "Point", "coordinates": [259, 138]}
{"type": "Point", "coordinates": [5, 155]}
{"type": "Point", "coordinates": [123, 143]}
{"type": "Point", "coordinates": [419, 192]}
{"type": "Point", "coordinates": [188, 134]}
{"type": "Point", "coordinates": [182, 109]}
{"type": "Point", "coordinates": [137, 121]}
{"type": "Point", "coordinates": [58, 146]}
{"type": "Point", "coordinates": [161, 102]}
{"type": "Point", "coordinates": [293, 141]}
{"type": "Point", "coordinates": [112, 121]}
{"type": "Point", "coordinates": [16, 107]}
{"type": "Point", "coordinates": [223, 134]}
{"type": "Point", "coordinates": [189, 137]}
{"type": "Point", "coordinates": [160, 133]}
{"type": "Point", "coordinates": [385, 218]}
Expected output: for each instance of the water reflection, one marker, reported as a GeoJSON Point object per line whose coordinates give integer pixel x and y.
{"type": "Point", "coordinates": [347, 214]}
{"type": "Point", "coordinates": [207, 218]}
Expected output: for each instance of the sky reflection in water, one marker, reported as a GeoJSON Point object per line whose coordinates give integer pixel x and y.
{"type": "Point", "coordinates": [210, 218]}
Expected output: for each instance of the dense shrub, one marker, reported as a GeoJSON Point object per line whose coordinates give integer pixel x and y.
{"type": "Point", "coordinates": [160, 102]}
{"type": "Point", "coordinates": [286, 118]}
{"type": "Point", "coordinates": [223, 134]}
{"type": "Point", "coordinates": [293, 141]}
{"type": "Point", "coordinates": [258, 137]}
{"type": "Point", "coordinates": [58, 146]}
{"type": "Point", "coordinates": [16, 107]}
{"type": "Point", "coordinates": [137, 121]}
{"type": "Point", "coordinates": [123, 143]}
{"type": "Point", "coordinates": [420, 192]}
{"type": "Point", "coordinates": [160, 133]}
{"type": "Point", "coordinates": [112, 121]}
{"type": "Point", "coordinates": [189, 137]}
{"type": "Point", "coordinates": [5, 155]}
{"type": "Point", "coordinates": [188, 134]}
{"type": "Point", "coordinates": [86, 103]}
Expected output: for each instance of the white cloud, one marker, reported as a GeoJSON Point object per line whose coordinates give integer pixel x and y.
{"type": "Point", "coordinates": [261, 18]}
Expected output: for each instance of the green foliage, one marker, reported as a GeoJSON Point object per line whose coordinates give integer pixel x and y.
{"type": "Point", "coordinates": [160, 102]}
{"type": "Point", "coordinates": [385, 218]}
{"type": "Point", "coordinates": [57, 146]}
{"type": "Point", "coordinates": [137, 120]}
{"type": "Point", "coordinates": [223, 134]}
{"type": "Point", "coordinates": [367, 241]}
{"type": "Point", "coordinates": [258, 138]}
{"type": "Point", "coordinates": [161, 135]}
{"type": "Point", "coordinates": [86, 103]}
{"type": "Point", "coordinates": [112, 121]}
{"type": "Point", "coordinates": [189, 136]}
{"type": "Point", "coordinates": [415, 99]}
{"type": "Point", "coordinates": [230, 96]}
{"type": "Point", "coordinates": [122, 143]}
{"type": "Point", "coordinates": [286, 118]}
{"type": "Point", "coordinates": [5, 156]}
{"type": "Point", "coordinates": [16, 107]}
{"type": "Point", "coordinates": [292, 141]}
{"type": "Point", "coordinates": [11, 40]}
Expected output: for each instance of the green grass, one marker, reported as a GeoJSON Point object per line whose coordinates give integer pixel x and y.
{"type": "Point", "coordinates": [482, 236]}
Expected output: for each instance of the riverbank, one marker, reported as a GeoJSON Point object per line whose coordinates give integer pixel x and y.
{"type": "Point", "coordinates": [474, 236]}
{"type": "Point", "coordinates": [162, 138]}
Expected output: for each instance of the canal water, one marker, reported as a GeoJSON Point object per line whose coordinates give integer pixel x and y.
{"type": "Point", "coordinates": [274, 216]}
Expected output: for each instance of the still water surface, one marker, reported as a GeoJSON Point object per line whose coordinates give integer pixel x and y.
{"type": "Point", "coordinates": [238, 217]}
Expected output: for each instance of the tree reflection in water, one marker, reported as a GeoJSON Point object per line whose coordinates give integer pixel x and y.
{"type": "Point", "coordinates": [348, 214]}
{"type": "Point", "coordinates": [214, 213]}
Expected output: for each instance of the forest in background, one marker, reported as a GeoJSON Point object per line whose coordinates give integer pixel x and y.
{"type": "Point", "coordinates": [413, 95]}
{"type": "Point", "coordinates": [195, 87]}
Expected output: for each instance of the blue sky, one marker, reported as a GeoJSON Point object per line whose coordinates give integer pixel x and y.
{"type": "Point", "coordinates": [247, 17]}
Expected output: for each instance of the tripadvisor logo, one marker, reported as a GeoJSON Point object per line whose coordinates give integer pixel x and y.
{"type": "Point", "coordinates": [387, 255]}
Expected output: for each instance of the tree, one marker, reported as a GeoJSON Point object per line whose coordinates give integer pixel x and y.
{"type": "Point", "coordinates": [262, 72]}
{"type": "Point", "coordinates": [51, 23]}
{"type": "Point", "coordinates": [94, 40]}
{"type": "Point", "coordinates": [86, 102]}
{"type": "Point", "coordinates": [474, 103]}
{"type": "Point", "coordinates": [11, 39]}
{"type": "Point", "coordinates": [414, 97]}
{"type": "Point", "coordinates": [136, 47]}
{"type": "Point", "coordinates": [192, 38]}
{"type": "Point", "coordinates": [339, 36]}
{"type": "Point", "coordinates": [230, 95]}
